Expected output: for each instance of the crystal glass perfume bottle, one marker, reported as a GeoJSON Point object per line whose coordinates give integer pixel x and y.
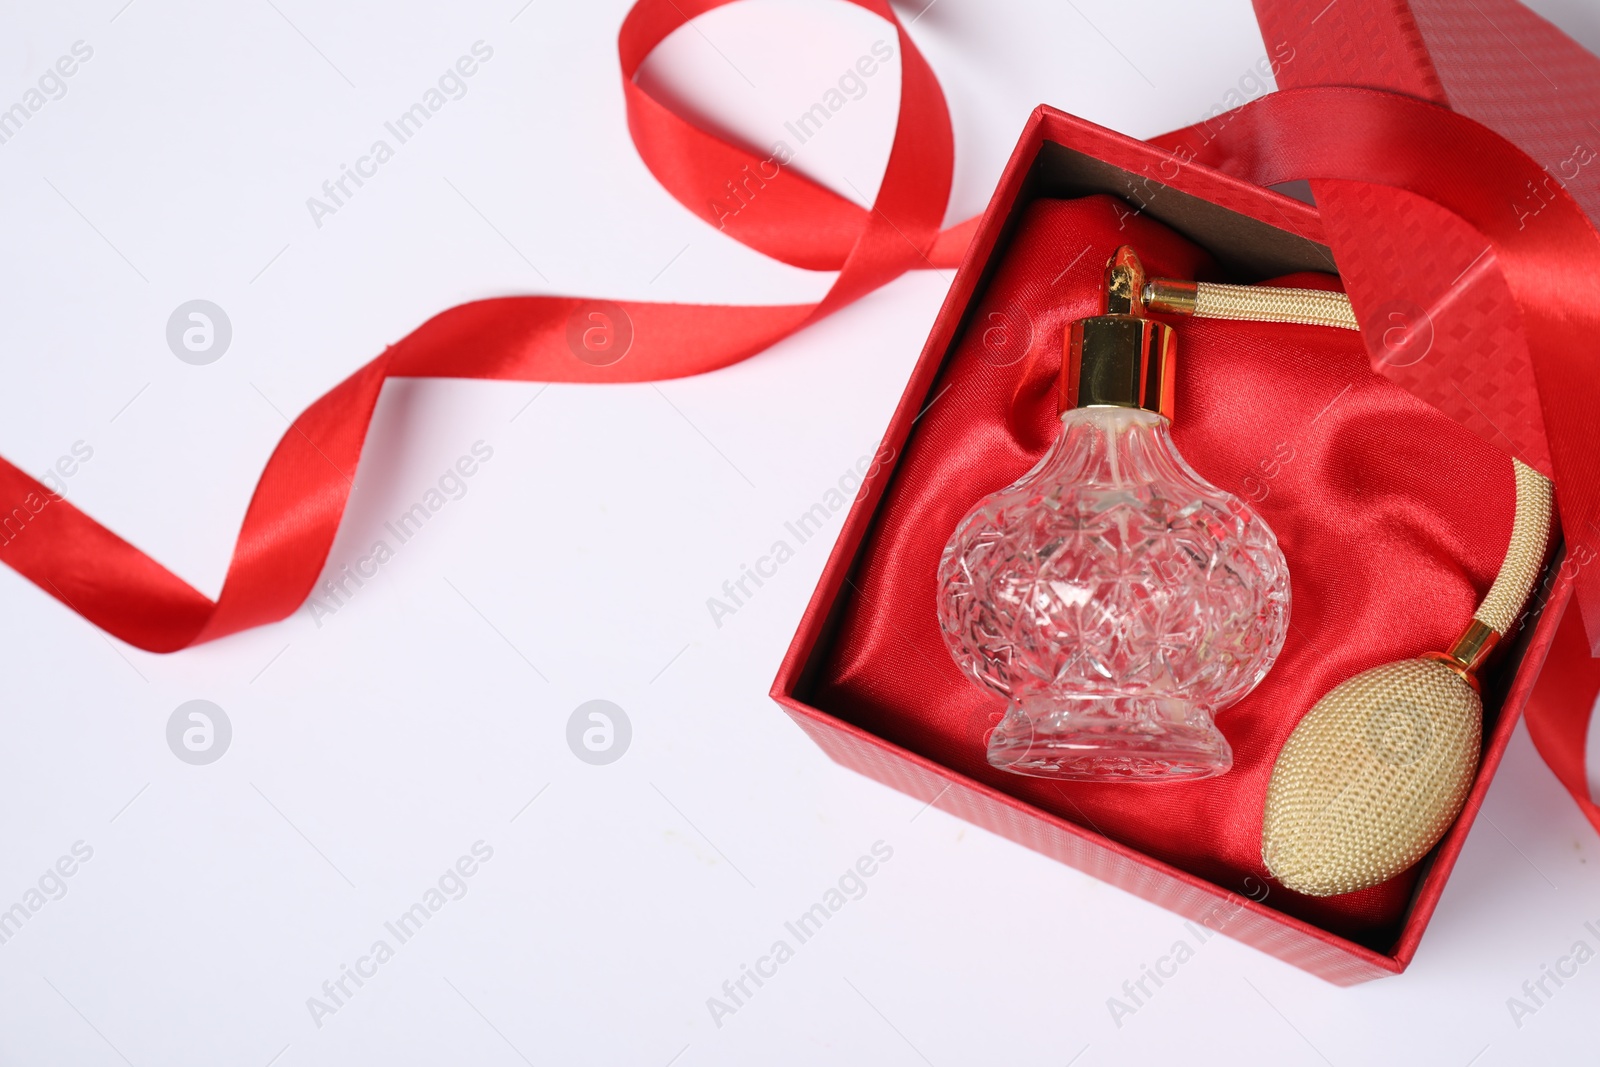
{"type": "Point", "coordinates": [1116, 598]}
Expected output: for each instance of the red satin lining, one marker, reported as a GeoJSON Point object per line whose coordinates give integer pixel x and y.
{"type": "Point", "coordinates": [1388, 558]}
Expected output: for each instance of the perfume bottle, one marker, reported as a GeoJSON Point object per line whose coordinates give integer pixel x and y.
{"type": "Point", "coordinates": [1115, 598]}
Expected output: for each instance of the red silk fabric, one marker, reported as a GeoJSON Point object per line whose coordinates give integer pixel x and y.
{"type": "Point", "coordinates": [1386, 558]}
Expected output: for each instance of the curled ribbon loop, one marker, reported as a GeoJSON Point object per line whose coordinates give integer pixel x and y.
{"type": "Point", "coordinates": [290, 523]}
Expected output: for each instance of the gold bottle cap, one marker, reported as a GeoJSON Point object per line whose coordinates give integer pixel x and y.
{"type": "Point", "coordinates": [1120, 358]}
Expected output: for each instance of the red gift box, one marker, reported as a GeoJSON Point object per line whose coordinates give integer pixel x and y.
{"type": "Point", "coordinates": [1263, 234]}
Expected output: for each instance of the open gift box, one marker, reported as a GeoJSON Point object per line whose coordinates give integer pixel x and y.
{"type": "Point", "coordinates": [1394, 520]}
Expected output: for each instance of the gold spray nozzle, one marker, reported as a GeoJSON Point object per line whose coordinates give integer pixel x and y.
{"type": "Point", "coordinates": [1120, 358]}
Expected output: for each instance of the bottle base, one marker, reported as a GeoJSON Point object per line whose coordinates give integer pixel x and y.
{"type": "Point", "coordinates": [1111, 739]}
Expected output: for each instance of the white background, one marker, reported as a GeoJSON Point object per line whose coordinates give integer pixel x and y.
{"type": "Point", "coordinates": [371, 751]}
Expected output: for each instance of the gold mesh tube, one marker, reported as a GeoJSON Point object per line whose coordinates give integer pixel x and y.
{"type": "Point", "coordinates": [1530, 532]}
{"type": "Point", "coordinates": [1263, 303]}
{"type": "Point", "coordinates": [1377, 771]}
{"type": "Point", "coordinates": [1530, 536]}
{"type": "Point", "coordinates": [1253, 303]}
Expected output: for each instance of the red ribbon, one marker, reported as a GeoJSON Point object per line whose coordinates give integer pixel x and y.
{"type": "Point", "coordinates": [1551, 261]}
{"type": "Point", "coordinates": [290, 523]}
{"type": "Point", "coordinates": [1329, 134]}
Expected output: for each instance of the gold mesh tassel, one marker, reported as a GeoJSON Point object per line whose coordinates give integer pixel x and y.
{"type": "Point", "coordinates": [1377, 771]}
{"type": "Point", "coordinates": [1371, 778]}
